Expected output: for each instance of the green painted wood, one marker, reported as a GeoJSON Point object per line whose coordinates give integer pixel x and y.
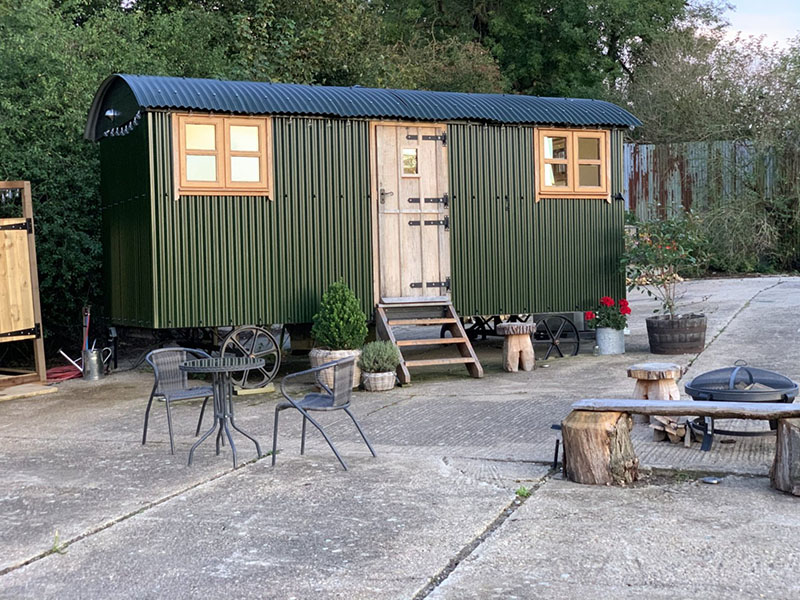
{"type": "Point", "coordinates": [233, 260]}
{"type": "Point", "coordinates": [126, 229]}
{"type": "Point", "coordinates": [511, 254]}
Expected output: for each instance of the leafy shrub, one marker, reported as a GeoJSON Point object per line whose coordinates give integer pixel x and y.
{"type": "Point", "coordinates": [379, 357]}
{"type": "Point", "coordinates": [340, 323]}
{"type": "Point", "coordinates": [660, 254]}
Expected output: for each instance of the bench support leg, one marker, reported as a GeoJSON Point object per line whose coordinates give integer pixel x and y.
{"type": "Point", "coordinates": [785, 472]}
{"type": "Point", "coordinates": [598, 448]}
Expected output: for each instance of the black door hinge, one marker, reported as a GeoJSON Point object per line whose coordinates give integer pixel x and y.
{"type": "Point", "coordinates": [443, 200]}
{"type": "Point", "coordinates": [436, 138]}
{"type": "Point", "coordinates": [416, 284]}
{"type": "Point", "coordinates": [440, 284]}
{"type": "Point", "coordinates": [35, 331]}
{"type": "Point", "coordinates": [445, 222]}
{"type": "Point", "coordinates": [27, 225]}
{"type": "Point", "coordinates": [414, 223]}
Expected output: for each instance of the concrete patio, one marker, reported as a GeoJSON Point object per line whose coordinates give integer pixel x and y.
{"type": "Point", "coordinates": [86, 511]}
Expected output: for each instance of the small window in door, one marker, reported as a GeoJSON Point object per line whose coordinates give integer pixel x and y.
{"type": "Point", "coordinates": [410, 162]}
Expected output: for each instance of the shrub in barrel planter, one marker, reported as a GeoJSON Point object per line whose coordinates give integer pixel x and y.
{"type": "Point", "coordinates": [378, 363]}
{"type": "Point", "coordinates": [655, 257]}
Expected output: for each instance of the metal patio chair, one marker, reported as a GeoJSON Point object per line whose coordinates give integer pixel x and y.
{"type": "Point", "coordinates": [337, 398]}
{"type": "Point", "coordinates": [172, 384]}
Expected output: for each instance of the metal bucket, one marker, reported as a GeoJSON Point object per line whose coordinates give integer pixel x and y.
{"type": "Point", "coordinates": [94, 363]}
{"type": "Point", "coordinates": [610, 341]}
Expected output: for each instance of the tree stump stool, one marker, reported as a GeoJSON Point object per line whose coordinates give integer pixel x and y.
{"type": "Point", "coordinates": [656, 381]}
{"type": "Point", "coordinates": [598, 448]}
{"type": "Point", "coordinates": [785, 472]}
{"type": "Point", "coordinates": [517, 346]}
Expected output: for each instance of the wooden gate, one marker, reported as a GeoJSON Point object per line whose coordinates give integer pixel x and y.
{"type": "Point", "coordinates": [413, 222]}
{"type": "Point", "coordinates": [20, 313]}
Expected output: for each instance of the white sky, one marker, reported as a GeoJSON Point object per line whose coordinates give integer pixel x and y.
{"type": "Point", "coordinates": [777, 20]}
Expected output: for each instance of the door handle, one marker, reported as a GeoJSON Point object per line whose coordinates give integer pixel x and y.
{"type": "Point", "coordinates": [384, 194]}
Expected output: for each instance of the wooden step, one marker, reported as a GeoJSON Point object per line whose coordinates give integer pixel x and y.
{"type": "Point", "coordinates": [432, 341]}
{"type": "Point", "coordinates": [461, 360]}
{"type": "Point", "coordinates": [442, 321]}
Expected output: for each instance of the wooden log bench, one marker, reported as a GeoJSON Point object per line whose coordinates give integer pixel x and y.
{"type": "Point", "coordinates": [598, 448]}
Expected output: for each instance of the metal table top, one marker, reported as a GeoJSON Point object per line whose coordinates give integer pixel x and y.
{"type": "Point", "coordinates": [227, 364]}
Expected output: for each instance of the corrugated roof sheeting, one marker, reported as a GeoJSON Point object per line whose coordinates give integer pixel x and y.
{"type": "Point", "coordinates": [251, 97]}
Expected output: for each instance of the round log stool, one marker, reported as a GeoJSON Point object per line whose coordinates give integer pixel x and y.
{"type": "Point", "coordinates": [517, 346]}
{"type": "Point", "coordinates": [655, 381]}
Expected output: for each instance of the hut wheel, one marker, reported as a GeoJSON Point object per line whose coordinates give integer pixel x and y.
{"type": "Point", "coordinates": [254, 342]}
{"type": "Point", "coordinates": [560, 333]}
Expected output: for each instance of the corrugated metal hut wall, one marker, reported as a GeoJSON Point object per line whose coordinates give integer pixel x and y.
{"type": "Point", "coordinates": [514, 255]}
{"type": "Point", "coordinates": [233, 260]}
{"type": "Point", "coordinates": [126, 228]}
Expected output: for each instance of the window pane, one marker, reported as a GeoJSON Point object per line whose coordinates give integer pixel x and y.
{"type": "Point", "coordinates": [244, 138]}
{"type": "Point", "coordinates": [588, 148]}
{"type": "Point", "coordinates": [245, 169]}
{"type": "Point", "coordinates": [200, 137]}
{"type": "Point", "coordinates": [555, 175]}
{"type": "Point", "coordinates": [555, 147]}
{"type": "Point", "coordinates": [201, 168]}
{"type": "Point", "coordinates": [589, 175]}
{"type": "Point", "coordinates": [410, 161]}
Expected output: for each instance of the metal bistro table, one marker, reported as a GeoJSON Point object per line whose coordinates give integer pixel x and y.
{"type": "Point", "coordinates": [221, 369]}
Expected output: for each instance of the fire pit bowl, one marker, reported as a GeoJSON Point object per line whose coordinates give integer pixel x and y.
{"type": "Point", "coordinates": [741, 383]}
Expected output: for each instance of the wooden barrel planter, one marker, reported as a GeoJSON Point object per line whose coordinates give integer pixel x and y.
{"type": "Point", "coordinates": [680, 335]}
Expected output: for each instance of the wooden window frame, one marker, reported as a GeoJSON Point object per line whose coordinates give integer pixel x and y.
{"type": "Point", "coordinates": [223, 186]}
{"type": "Point", "coordinates": [572, 189]}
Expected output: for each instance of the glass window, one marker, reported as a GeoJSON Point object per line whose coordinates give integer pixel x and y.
{"type": "Point", "coordinates": [410, 163]}
{"type": "Point", "coordinates": [200, 137]}
{"type": "Point", "coordinates": [555, 147]}
{"type": "Point", "coordinates": [244, 138]}
{"type": "Point", "coordinates": [588, 148]}
{"type": "Point", "coordinates": [201, 167]}
{"type": "Point", "coordinates": [245, 169]}
{"type": "Point", "coordinates": [556, 175]}
{"type": "Point", "coordinates": [589, 175]}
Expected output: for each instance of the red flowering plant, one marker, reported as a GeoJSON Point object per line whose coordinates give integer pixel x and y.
{"type": "Point", "coordinates": [610, 313]}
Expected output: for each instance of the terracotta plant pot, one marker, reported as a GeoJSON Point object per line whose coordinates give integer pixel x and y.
{"type": "Point", "coordinates": [319, 357]}
{"type": "Point", "coordinates": [378, 382]}
{"type": "Point", "coordinates": [684, 334]}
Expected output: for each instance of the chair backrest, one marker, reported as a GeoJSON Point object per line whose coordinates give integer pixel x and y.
{"type": "Point", "coordinates": [166, 367]}
{"type": "Point", "coordinates": [343, 381]}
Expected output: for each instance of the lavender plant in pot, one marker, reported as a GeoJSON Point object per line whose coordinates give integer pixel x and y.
{"type": "Point", "coordinates": [609, 321]}
{"type": "Point", "coordinates": [655, 259]}
{"type": "Point", "coordinates": [378, 363]}
{"type": "Point", "coordinates": [339, 330]}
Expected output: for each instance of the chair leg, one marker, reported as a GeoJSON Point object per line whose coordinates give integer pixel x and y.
{"type": "Point", "coordinates": [169, 425]}
{"type": "Point", "coordinates": [275, 436]}
{"type": "Point", "coordinates": [366, 441]}
{"type": "Point", "coordinates": [327, 439]}
{"type": "Point", "coordinates": [303, 437]}
{"type": "Point", "coordinates": [146, 417]}
{"type": "Point", "coordinates": [200, 420]}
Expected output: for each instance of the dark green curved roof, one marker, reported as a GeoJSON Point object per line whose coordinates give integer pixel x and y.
{"type": "Point", "coordinates": [256, 98]}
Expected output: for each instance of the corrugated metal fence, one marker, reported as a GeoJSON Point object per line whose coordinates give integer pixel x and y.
{"type": "Point", "coordinates": [661, 180]}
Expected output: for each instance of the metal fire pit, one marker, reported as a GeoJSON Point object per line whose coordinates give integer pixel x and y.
{"type": "Point", "coordinates": [739, 383]}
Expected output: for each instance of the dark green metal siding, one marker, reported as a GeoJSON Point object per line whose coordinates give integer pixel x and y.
{"type": "Point", "coordinates": [511, 254]}
{"type": "Point", "coordinates": [126, 228]}
{"type": "Point", "coordinates": [233, 260]}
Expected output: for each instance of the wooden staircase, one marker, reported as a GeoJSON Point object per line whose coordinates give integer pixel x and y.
{"type": "Point", "coordinates": [433, 315]}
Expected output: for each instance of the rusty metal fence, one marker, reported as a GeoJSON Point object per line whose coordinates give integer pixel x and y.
{"type": "Point", "coordinates": [664, 179]}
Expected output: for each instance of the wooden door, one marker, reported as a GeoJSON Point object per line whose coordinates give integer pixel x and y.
{"type": "Point", "coordinates": [16, 288]}
{"type": "Point", "coordinates": [413, 212]}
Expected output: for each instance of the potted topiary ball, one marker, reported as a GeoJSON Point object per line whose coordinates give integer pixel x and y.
{"type": "Point", "coordinates": [339, 330]}
{"type": "Point", "coordinates": [378, 362]}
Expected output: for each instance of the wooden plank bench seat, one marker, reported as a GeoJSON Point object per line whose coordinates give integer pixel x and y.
{"type": "Point", "coordinates": [598, 449]}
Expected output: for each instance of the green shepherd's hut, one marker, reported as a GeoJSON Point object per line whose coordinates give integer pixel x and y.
{"type": "Point", "coordinates": [231, 202]}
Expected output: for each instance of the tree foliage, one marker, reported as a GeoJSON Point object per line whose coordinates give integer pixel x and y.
{"type": "Point", "coordinates": [55, 53]}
